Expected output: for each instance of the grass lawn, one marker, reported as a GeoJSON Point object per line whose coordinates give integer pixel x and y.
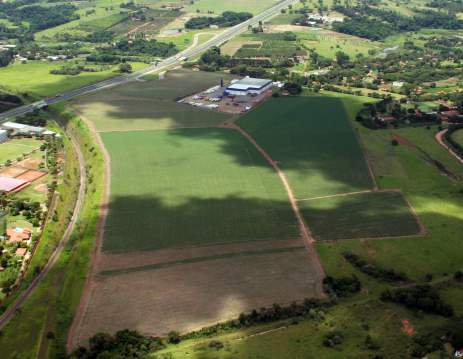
{"type": "Point", "coordinates": [218, 7]}
{"type": "Point", "coordinates": [313, 142]}
{"type": "Point", "coordinates": [305, 340]}
{"type": "Point", "coordinates": [366, 215]}
{"type": "Point", "coordinates": [15, 148]}
{"type": "Point", "coordinates": [35, 77]}
{"type": "Point", "coordinates": [186, 38]}
{"type": "Point", "coordinates": [151, 105]}
{"type": "Point", "coordinates": [328, 43]}
{"type": "Point", "coordinates": [457, 136]}
{"type": "Point", "coordinates": [434, 197]}
{"type": "Point", "coordinates": [191, 187]}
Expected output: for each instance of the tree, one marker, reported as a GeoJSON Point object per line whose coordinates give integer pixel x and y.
{"type": "Point", "coordinates": [174, 337]}
{"type": "Point", "coordinates": [125, 68]}
{"type": "Point", "coordinates": [293, 88]}
{"type": "Point", "coordinates": [342, 58]}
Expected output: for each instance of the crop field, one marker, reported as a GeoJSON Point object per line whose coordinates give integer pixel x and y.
{"type": "Point", "coordinates": [151, 105]}
{"type": "Point", "coordinates": [313, 142]}
{"type": "Point", "coordinates": [272, 46]}
{"type": "Point", "coordinates": [201, 288]}
{"type": "Point", "coordinates": [155, 20]}
{"type": "Point", "coordinates": [195, 214]}
{"type": "Point", "coordinates": [191, 187]}
{"type": "Point", "coordinates": [13, 149]}
{"type": "Point", "coordinates": [364, 215]}
{"type": "Point", "coordinates": [35, 77]}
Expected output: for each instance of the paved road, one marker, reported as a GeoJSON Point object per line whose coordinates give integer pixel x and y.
{"type": "Point", "coordinates": [171, 61]}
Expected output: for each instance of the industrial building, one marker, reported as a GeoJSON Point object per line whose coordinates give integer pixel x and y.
{"type": "Point", "coordinates": [23, 129]}
{"type": "Point", "coordinates": [248, 86]}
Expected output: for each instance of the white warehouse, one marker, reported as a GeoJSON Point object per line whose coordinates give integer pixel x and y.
{"type": "Point", "coordinates": [248, 86]}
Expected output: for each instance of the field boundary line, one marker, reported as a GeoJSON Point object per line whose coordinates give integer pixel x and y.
{"type": "Point", "coordinates": [306, 234]}
{"type": "Point", "coordinates": [199, 259]}
{"type": "Point", "coordinates": [104, 207]}
{"type": "Point", "coordinates": [337, 195]}
{"type": "Point", "coordinates": [161, 129]}
{"type": "Point", "coordinates": [422, 228]}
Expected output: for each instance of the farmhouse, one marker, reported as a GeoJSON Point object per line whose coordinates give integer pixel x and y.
{"type": "Point", "coordinates": [8, 184]}
{"type": "Point", "coordinates": [248, 86]}
{"type": "Point", "coordinates": [18, 234]}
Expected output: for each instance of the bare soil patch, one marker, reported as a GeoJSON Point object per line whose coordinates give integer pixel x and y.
{"type": "Point", "coordinates": [283, 28]}
{"type": "Point", "coordinates": [31, 175]}
{"type": "Point", "coordinates": [31, 163]}
{"type": "Point", "coordinates": [12, 171]}
{"type": "Point", "coordinates": [117, 261]}
{"type": "Point", "coordinates": [190, 296]}
{"type": "Point", "coordinates": [232, 47]}
{"type": "Point", "coordinates": [41, 188]}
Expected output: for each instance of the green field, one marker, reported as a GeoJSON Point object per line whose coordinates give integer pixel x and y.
{"type": "Point", "coordinates": [106, 13]}
{"type": "Point", "coordinates": [366, 215]}
{"type": "Point", "coordinates": [34, 77]}
{"type": "Point", "coordinates": [15, 148]}
{"type": "Point", "coordinates": [457, 136]}
{"type": "Point", "coordinates": [304, 340]}
{"type": "Point", "coordinates": [313, 142]}
{"type": "Point", "coordinates": [328, 43]}
{"type": "Point", "coordinates": [218, 7]}
{"type": "Point", "coordinates": [151, 105]}
{"type": "Point", "coordinates": [191, 187]}
{"type": "Point", "coordinates": [439, 253]}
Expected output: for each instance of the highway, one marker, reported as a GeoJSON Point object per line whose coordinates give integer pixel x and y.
{"type": "Point", "coordinates": [164, 64]}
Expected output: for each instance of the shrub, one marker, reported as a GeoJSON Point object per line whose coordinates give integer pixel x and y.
{"type": "Point", "coordinates": [342, 287]}
{"type": "Point", "coordinates": [458, 276]}
{"type": "Point", "coordinates": [371, 344]}
{"type": "Point", "coordinates": [333, 339]}
{"type": "Point", "coordinates": [174, 337]}
{"type": "Point", "coordinates": [423, 297]}
{"type": "Point", "coordinates": [385, 274]}
{"type": "Point", "coordinates": [216, 344]}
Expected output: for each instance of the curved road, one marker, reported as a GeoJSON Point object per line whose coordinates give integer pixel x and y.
{"type": "Point", "coordinates": [174, 60]}
{"type": "Point", "coordinates": [11, 310]}
{"type": "Point", "coordinates": [171, 61]}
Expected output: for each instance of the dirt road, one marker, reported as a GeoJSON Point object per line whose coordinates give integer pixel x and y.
{"type": "Point", "coordinates": [440, 138]}
{"type": "Point", "coordinates": [25, 294]}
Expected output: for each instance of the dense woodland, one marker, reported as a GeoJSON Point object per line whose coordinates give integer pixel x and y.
{"type": "Point", "coordinates": [228, 18]}
{"type": "Point", "coordinates": [377, 24]}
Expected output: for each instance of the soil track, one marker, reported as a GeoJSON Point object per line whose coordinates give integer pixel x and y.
{"type": "Point", "coordinates": [440, 138]}
{"type": "Point", "coordinates": [304, 229]}
{"type": "Point", "coordinates": [89, 285]}
{"type": "Point", "coordinates": [10, 312]}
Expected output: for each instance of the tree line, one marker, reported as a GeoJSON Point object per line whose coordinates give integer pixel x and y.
{"type": "Point", "coordinates": [228, 18]}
